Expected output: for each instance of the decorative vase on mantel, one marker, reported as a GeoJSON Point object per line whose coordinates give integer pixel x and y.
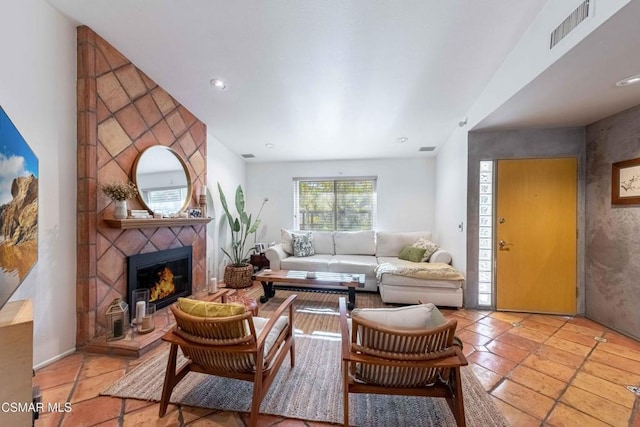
{"type": "Point", "coordinates": [120, 209]}
{"type": "Point", "coordinates": [119, 192]}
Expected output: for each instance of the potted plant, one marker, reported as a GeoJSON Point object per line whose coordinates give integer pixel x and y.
{"type": "Point", "coordinates": [119, 192]}
{"type": "Point", "coordinates": [238, 273]}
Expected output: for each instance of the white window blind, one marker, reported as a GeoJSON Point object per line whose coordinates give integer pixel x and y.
{"type": "Point", "coordinates": [166, 201]}
{"type": "Point", "coordinates": [332, 204]}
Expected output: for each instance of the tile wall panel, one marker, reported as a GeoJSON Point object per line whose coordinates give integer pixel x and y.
{"type": "Point", "coordinates": [121, 111]}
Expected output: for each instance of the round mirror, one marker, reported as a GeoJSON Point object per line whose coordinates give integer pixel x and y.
{"type": "Point", "coordinates": [163, 181]}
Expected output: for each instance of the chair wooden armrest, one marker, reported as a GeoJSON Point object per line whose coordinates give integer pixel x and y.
{"type": "Point", "coordinates": [344, 329]}
{"type": "Point", "coordinates": [288, 303]}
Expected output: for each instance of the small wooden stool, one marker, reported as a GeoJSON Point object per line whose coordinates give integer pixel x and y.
{"type": "Point", "coordinates": [249, 303]}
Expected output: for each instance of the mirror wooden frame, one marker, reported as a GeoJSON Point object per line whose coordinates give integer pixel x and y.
{"type": "Point", "coordinates": [185, 169]}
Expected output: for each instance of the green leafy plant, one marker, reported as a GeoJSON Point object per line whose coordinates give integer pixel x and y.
{"type": "Point", "coordinates": [241, 226]}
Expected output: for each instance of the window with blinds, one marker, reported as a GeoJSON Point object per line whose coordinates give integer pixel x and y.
{"type": "Point", "coordinates": [334, 204]}
{"type": "Point", "coordinates": [166, 201]}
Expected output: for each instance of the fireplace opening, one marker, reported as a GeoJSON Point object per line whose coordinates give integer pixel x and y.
{"type": "Point", "coordinates": [166, 273]}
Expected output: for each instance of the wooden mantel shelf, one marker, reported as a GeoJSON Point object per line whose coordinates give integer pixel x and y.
{"type": "Point", "coordinates": [124, 224]}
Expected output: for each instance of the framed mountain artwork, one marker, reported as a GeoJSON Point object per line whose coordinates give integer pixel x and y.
{"type": "Point", "coordinates": [18, 208]}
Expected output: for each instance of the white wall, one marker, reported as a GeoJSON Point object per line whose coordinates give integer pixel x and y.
{"type": "Point", "coordinates": [229, 170]}
{"type": "Point", "coordinates": [38, 92]}
{"type": "Point", "coordinates": [451, 197]}
{"type": "Point", "coordinates": [405, 191]}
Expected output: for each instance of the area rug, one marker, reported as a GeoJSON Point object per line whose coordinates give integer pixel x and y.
{"type": "Point", "coordinates": [312, 390]}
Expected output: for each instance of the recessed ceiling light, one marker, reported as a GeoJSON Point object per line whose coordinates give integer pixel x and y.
{"type": "Point", "coordinates": [218, 84]}
{"type": "Point", "coordinates": [268, 145]}
{"type": "Point", "coordinates": [402, 139]}
{"type": "Point", "coordinates": [627, 81]}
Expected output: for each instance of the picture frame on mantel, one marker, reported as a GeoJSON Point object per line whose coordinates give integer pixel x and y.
{"type": "Point", "coordinates": [625, 182]}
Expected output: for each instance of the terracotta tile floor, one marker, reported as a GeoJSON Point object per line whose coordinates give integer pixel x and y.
{"type": "Point", "coordinates": [540, 371]}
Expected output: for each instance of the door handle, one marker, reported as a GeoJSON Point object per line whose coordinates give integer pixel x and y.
{"type": "Point", "coordinates": [502, 244]}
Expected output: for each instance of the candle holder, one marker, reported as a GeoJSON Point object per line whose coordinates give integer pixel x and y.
{"type": "Point", "coordinates": [202, 201]}
{"type": "Point", "coordinates": [148, 323]}
{"type": "Point", "coordinates": [139, 303]}
{"type": "Point", "coordinates": [117, 315]}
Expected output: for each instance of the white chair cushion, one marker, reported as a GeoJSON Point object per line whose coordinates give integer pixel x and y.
{"type": "Point", "coordinates": [405, 318]}
{"type": "Point", "coordinates": [260, 322]}
{"type": "Point", "coordinates": [355, 242]}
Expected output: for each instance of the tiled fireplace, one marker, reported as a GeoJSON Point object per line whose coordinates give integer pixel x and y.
{"type": "Point", "coordinates": [121, 111]}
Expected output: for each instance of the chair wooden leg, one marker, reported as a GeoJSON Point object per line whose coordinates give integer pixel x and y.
{"type": "Point", "coordinates": [292, 352]}
{"type": "Point", "coordinates": [345, 397]}
{"type": "Point", "coordinates": [456, 403]}
{"type": "Point", "coordinates": [169, 380]}
{"type": "Point", "coordinates": [258, 394]}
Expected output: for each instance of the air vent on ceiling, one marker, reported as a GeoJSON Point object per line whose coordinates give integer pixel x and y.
{"type": "Point", "coordinates": [247, 156]}
{"type": "Point", "coordinates": [570, 23]}
{"type": "Point", "coordinates": [427, 148]}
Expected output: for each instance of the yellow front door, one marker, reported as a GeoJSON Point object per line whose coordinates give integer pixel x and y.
{"type": "Point", "coordinates": [536, 235]}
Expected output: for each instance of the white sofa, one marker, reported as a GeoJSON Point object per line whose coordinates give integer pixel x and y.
{"type": "Point", "coordinates": [361, 252]}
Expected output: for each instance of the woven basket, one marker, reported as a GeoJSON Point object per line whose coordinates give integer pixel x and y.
{"type": "Point", "coordinates": [238, 277]}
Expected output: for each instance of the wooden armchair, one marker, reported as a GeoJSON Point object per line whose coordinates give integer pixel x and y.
{"type": "Point", "coordinates": [239, 346]}
{"type": "Point", "coordinates": [379, 359]}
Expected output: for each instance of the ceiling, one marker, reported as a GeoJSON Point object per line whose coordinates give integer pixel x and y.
{"type": "Point", "coordinates": [580, 88]}
{"type": "Point", "coordinates": [318, 79]}
{"type": "Point", "coordinates": [345, 79]}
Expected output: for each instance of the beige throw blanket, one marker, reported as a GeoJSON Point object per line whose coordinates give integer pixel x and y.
{"type": "Point", "coordinates": [422, 270]}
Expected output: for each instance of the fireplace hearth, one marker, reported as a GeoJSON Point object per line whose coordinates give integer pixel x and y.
{"type": "Point", "coordinates": [166, 273]}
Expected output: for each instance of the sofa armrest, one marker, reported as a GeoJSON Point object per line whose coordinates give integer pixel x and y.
{"type": "Point", "coordinates": [440, 256]}
{"type": "Point", "coordinates": [275, 254]}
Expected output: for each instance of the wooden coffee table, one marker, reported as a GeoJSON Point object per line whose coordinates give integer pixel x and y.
{"type": "Point", "coordinates": [321, 280]}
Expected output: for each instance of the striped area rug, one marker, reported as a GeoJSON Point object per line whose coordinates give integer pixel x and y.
{"type": "Point", "coordinates": [313, 389]}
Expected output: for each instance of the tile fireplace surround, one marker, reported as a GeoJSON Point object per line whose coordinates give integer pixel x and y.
{"type": "Point", "coordinates": [121, 112]}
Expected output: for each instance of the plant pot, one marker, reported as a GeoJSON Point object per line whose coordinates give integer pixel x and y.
{"type": "Point", "coordinates": [238, 277]}
{"type": "Point", "coordinates": [120, 209]}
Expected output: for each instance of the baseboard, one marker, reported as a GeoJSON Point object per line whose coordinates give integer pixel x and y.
{"type": "Point", "coordinates": [54, 359]}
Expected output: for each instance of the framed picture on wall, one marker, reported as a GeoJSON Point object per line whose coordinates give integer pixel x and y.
{"type": "Point", "coordinates": [625, 182]}
{"type": "Point", "coordinates": [18, 208]}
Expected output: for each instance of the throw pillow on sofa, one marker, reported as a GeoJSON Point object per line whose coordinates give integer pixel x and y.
{"type": "Point", "coordinates": [411, 253]}
{"type": "Point", "coordinates": [287, 240]}
{"type": "Point", "coordinates": [428, 246]}
{"type": "Point", "coordinates": [303, 244]}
